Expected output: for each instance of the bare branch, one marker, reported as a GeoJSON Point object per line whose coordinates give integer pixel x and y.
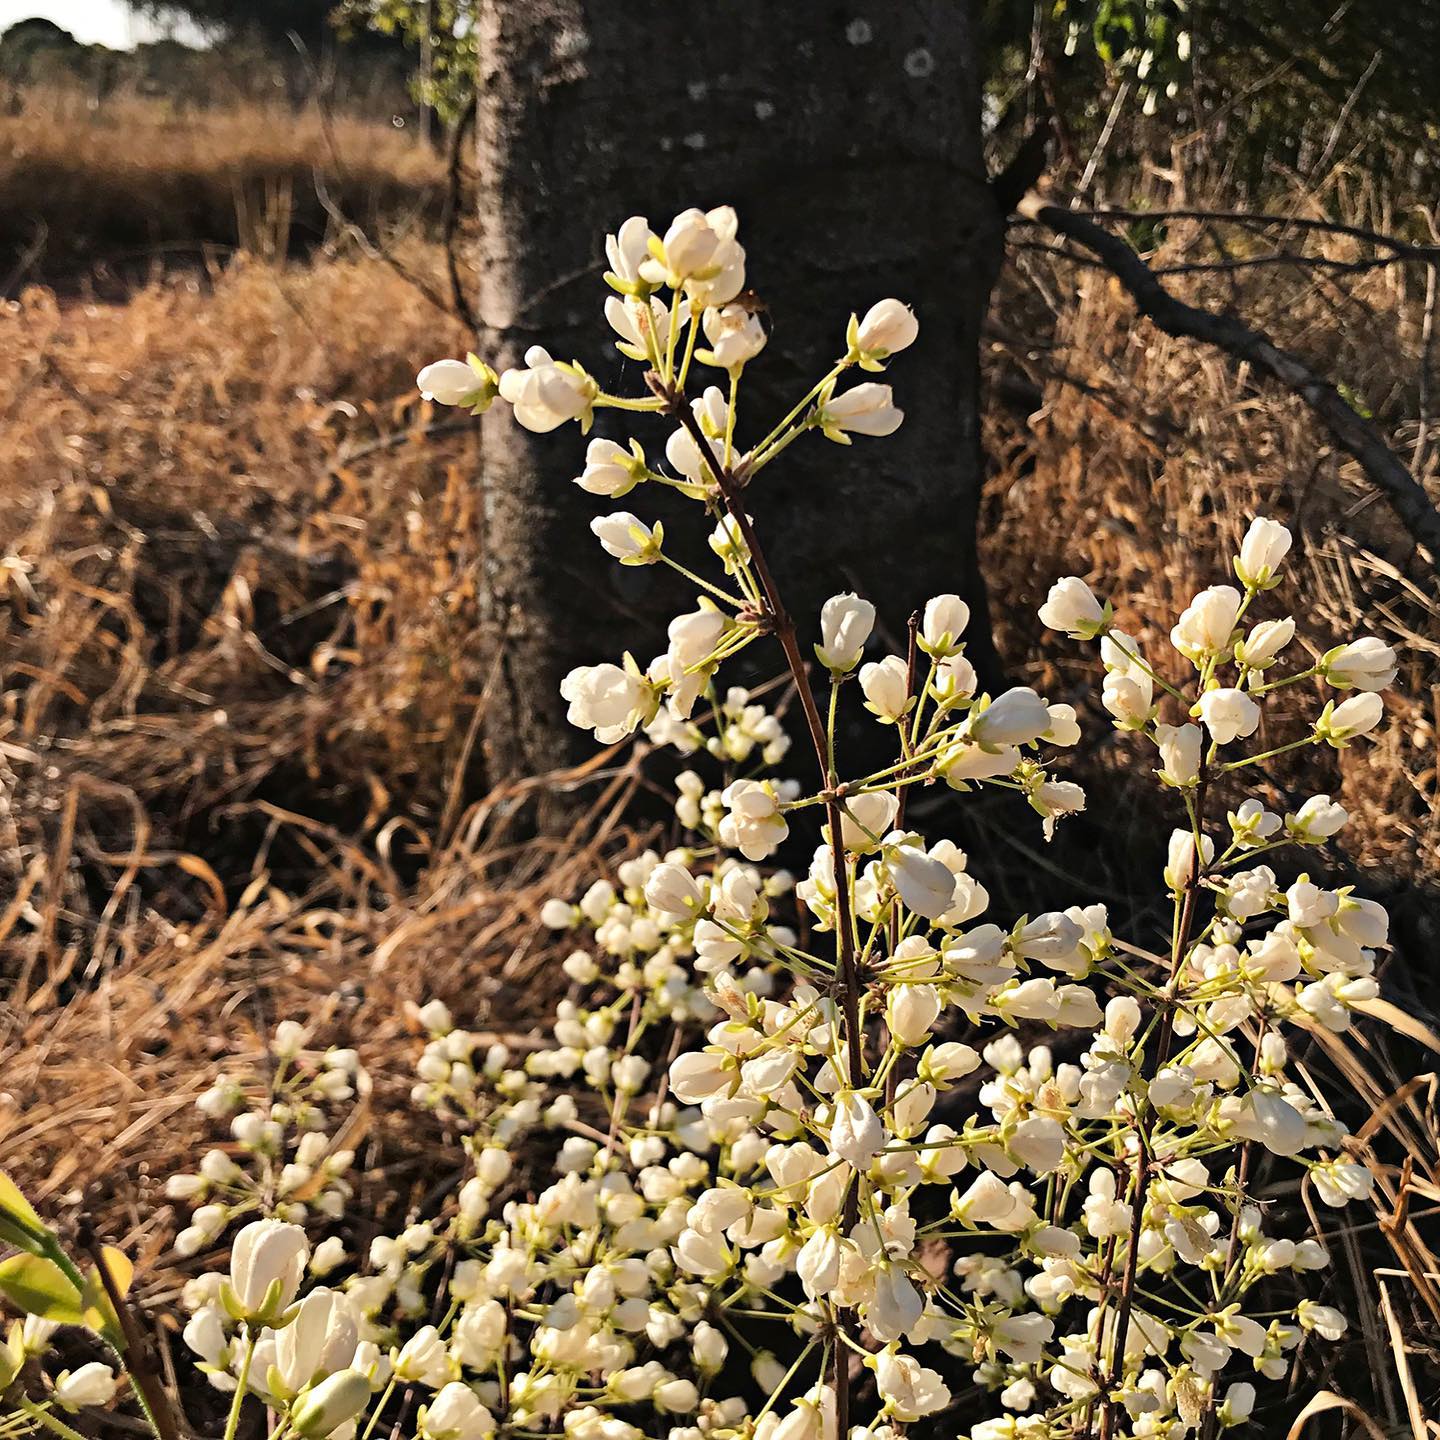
{"type": "Point", "coordinates": [1354, 434]}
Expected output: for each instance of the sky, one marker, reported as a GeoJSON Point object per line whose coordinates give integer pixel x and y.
{"type": "Point", "coordinates": [103, 22]}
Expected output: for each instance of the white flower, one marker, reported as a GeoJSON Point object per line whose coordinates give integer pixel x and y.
{"type": "Point", "coordinates": [1252, 823]}
{"type": "Point", "coordinates": [1265, 545]}
{"type": "Point", "coordinates": [896, 1306]}
{"type": "Point", "coordinates": [1014, 718]}
{"type": "Point", "coordinates": [909, 1388]}
{"type": "Point", "coordinates": [320, 1340]}
{"type": "Point", "coordinates": [818, 1263]}
{"type": "Point", "coordinates": [469, 382]}
{"type": "Point", "coordinates": [989, 1201]}
{"type": "Point", "coordinates": [944, 622]}
{"type": "Point", "coordinates": [1340, 724]}
{"type": "Point", "coordinates": [643, 325]}
{"type": "Point", "coordinates": [1238, 1402]}
{"type": "Point", "coordinates": [1072, 607]}
{"type": "Point", "coordinates": [753, 824]}
{"type": "Point", "coordinates": [1129, 695]}
{"type": "Point", "coordinates": [885, 684]}
{"type": "Point", "coordinates": [868, 409]}
{"type": "Point", "coordinates": [1365, 664]}
{"type": "Point", "coordinates": [610, 469]}
{"type": "Point", "coordinates": [955, 679]}
{"type": "Point", "coordinates": [845, 624]}
{"type": "Point", "coordinates": [456, 1414]}
{"type": "Point", "coordinates": [925, 885]}
{"type": "Point", "coordinates": [628, 538]}
{"type": "Point", "coordinates": [627, 251]}
{"type": "Point", "coordinates": [710, 411]}
{"type": "Point", "coordinates": [611, 700]}
{"type": "Point", "coordinates": [1054, 800]}
{"type": "Point", "coordinates": [1207, 623]}
{"type": "Point", "coordinates": [702, 1074]}
{"type": "Point", "coordinates": [1181, 862]}
{"type": "Point", "coordinates": [1265, 642]}
{"type": "Point", "coordinates": [700, 253]}
{"type": "Point", "coordinates": [729, 543]}
{"type": "Point", "coordinates": [856, 1134]}
{"type": "Point", "coordinates": [864, 819]}
{"type": "Point", "coordinates": [423, 1359]}
{"type": "Point", "coordinates": [736, 337]}
{"type": "Point", "coordinates": [672, 890]}
{"type": "Point", "coordinates": [911, 1011]}
{"type": "Point", "coordinates": [1179, 747]}
{"type": "Point", "coordinates": [693, 637]}
{"type": "Point", "coordinates": [889, 326]}
{"type": "Point", "coordinates": [92, 1384]}
{"type": "Point", "coordinates": [710, 1347]}
{"type": "Point", "coordinates": [547, 393]}
{"type": "Point", "coordinates": [1273, 1121]}
{"type": "Point", "coordinates": [333, 1403]}
{"type": "Point", "coordinates": [1228, 715]}
{"type": "Point", "coordinates": [1325, 1320]}
{"type": "Point", "coordinates": [267, 1261]}
{"type": "Point", "coordinates": [1317, 819]}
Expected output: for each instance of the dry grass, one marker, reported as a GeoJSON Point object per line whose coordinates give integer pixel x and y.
{"type": "Point", "coordinates": [133, 178]}
{"type": "Point", "coordinates": [1136, 459]}
{"type": "Point", "coordinates": [240, 641]}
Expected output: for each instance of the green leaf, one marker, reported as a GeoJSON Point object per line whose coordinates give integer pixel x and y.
{"type": "Point", "coordinates": [40, 1287]}
{"type": "Point", "coordinates": [18, 1217]}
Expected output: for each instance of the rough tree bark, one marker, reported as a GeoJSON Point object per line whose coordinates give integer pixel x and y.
{"type": "Point", "coordinates": [848, 137]}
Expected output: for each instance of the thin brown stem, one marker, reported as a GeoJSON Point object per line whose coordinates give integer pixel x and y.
{"type": "Point", "coordinates": [136, 1356]}
{"type": "Point", "coordinates": [846, 971]}
{"type": "Point", "coordinates": [1180, 948]}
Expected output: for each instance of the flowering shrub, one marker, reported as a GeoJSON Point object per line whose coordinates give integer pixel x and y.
{"type": "Point", "coordinates": [795, 1161]}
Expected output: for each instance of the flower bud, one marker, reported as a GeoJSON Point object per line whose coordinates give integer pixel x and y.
{"type": "Point", "coordinates": [1339, 724]}
{"type": "Point", "coordinates": [1179, 747]}
{"type": "Point", "coordinates": [1014, 718]}
{"type": "Point", "coordinates": [1365, 664]}
{"type": "Point", "coordinates": [888, 327]}
{"type": "Point", "coordinates": [1207, 623]}
{"type": "Point", "coordinates": [868, 409]}
{"type": "Point", "coordinates": [628, 538]}
{"type": "Point", "coordinates": [886, 687]}
{"type": "Point", "coordinates": [1073, 608]}
{"type": "Point", "coordinates": [845, 625]}
{"type": "Point", "coordinates": [1265, 545]}
{"type": "Point", "coordinates": [672, 889]}
{"type": "Point", "coordinates": [92, 1384]}
{"type": "Point", "coordinates": [911, 1012]}
{"type": "Point", "coordinates": [944, 622]}
{"type": "Point", "coordinates": [456, 1414]}
{"type": "Point", "coordinates": [266, 1263]}
{"type": "Point", "coordinates": [469, 382]}
{"type": "Point", "coordinates": [1317, 819]}
{"type": "Point", "coordinates": [1265, 642]}
{"type": "Point", "coordinates": [610, 469]}
{"type": "Point", "coordinates": [336, 1400]}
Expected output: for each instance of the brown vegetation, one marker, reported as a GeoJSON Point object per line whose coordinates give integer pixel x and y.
{"type": "Point", "coordinates": [241, 631]}
{"type": "Point", "coordinates": [135, 180]}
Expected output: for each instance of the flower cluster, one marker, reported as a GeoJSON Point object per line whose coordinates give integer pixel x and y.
{"type": "Point", "coordinates": [805, 1158]}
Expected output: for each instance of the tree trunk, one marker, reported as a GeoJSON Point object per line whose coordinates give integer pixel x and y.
{"type": "Point", "coordinates": [848, 138]}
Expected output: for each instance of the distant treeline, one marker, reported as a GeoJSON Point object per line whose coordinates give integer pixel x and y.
{"type": "Point", "coordinates": [365, 76]}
